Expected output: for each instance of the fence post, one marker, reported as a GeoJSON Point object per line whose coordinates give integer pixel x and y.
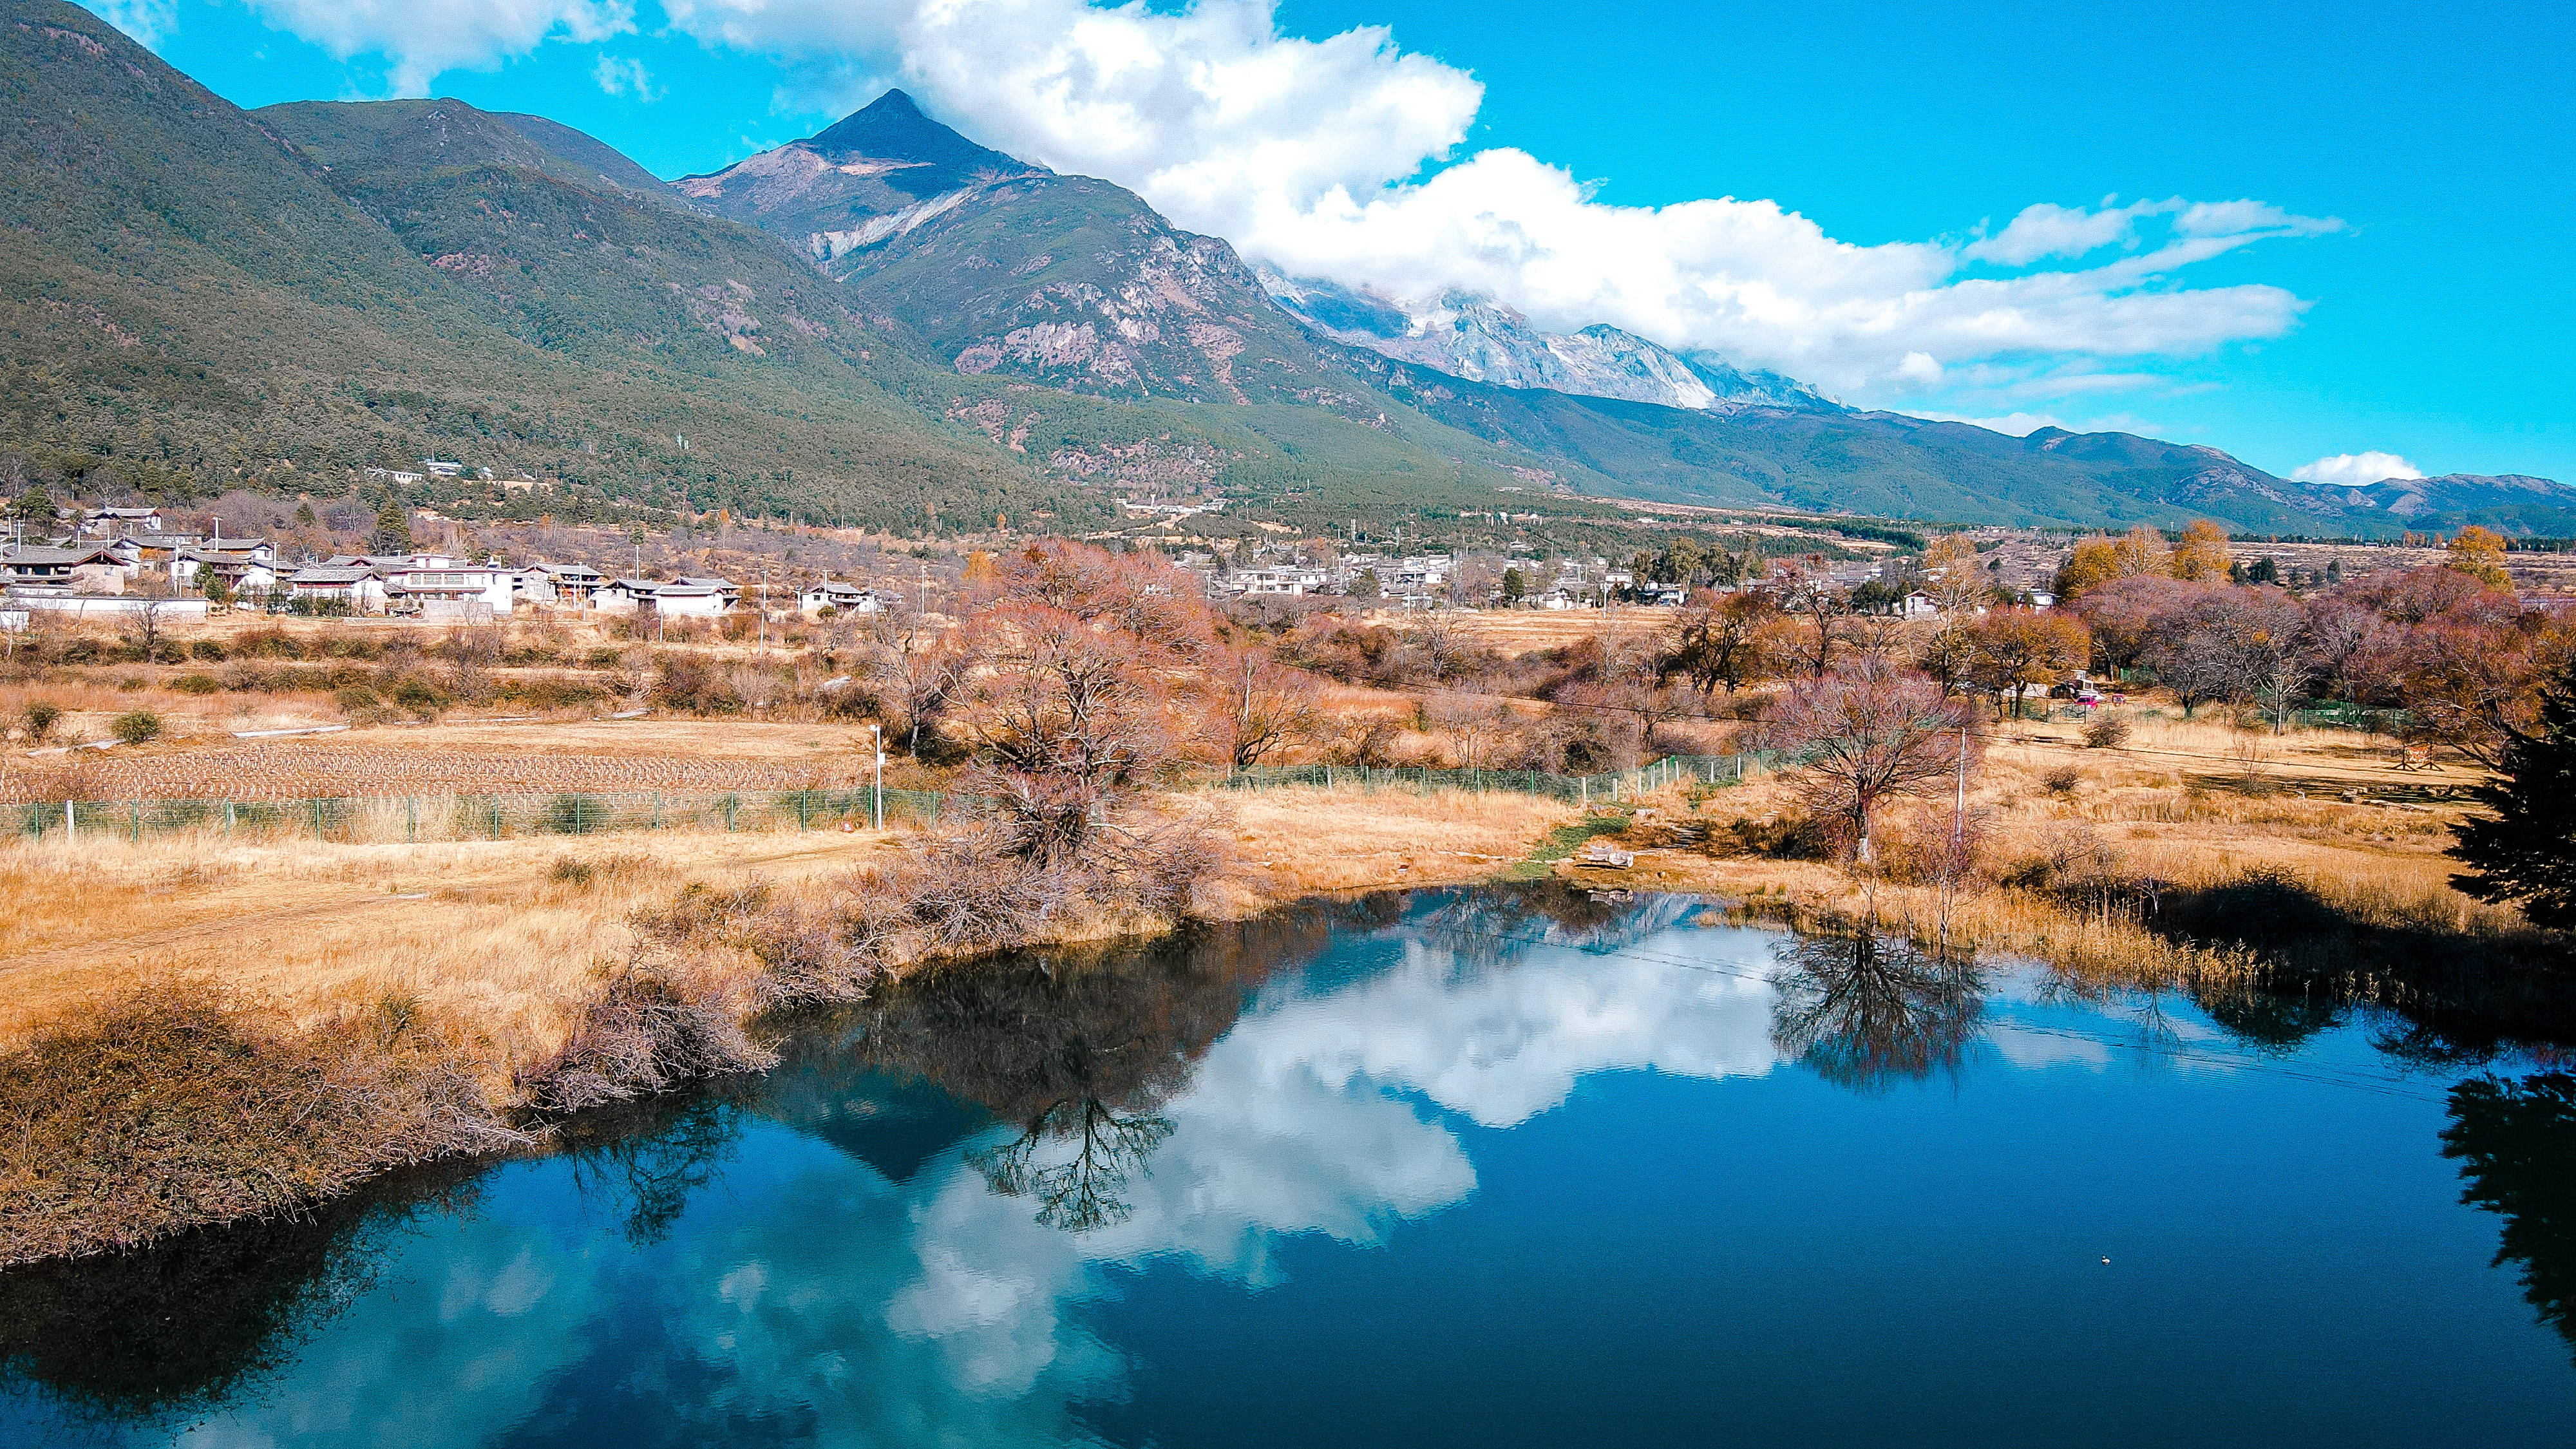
{"type": "Point", "coordinates": [1584, 784]}
{"type": "Point", "coordinates": [496, 817]}
{"type": "Point", "coordinates": [657, 809]}
{"type": "Point", "coordinates": [134, 821]}
{"type": "Point", "coordinates": [579, 826]}
{"type": "Point", "coordinates": [411, 819]}
{"type": "Point", "coordinates": [71, 821]}
{"type": "Point", "coordinates": [228, 817]}
{"type": "Point", "coordinates": [729, 801]}
{"type": "Point", "coordinates": [803, 799]}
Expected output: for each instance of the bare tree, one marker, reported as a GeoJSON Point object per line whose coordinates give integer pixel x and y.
{"type": "Point", "coordinates": [1863, 735]}
{"type": "Point", "coordinates": [916, 663]}
{"type": "Point", "coordinates": [1265, 709]}
{"type": "Point", "coordinates": [1443, 646]}
{"type": "Point", "coordinates": [1471, 722]}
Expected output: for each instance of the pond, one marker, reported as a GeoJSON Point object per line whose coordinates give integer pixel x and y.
{"type": "Point", "coordinates": [1487, 1167]}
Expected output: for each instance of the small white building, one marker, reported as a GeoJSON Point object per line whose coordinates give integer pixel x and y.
{"type": "Point", "coordinates": [685, 599]}
{"type": "Point", "coordinates": [724, 589]}
{"type": "Point", "coordinates": [355, 587]}
{"type": "Point", "coordinates": [839, 597]}
{"type": "Point", "coordinates": [624, 596]}
{"type": "Point", "coordinates": [243, 571]}
{"type": "Point", "coordinates": [116, 522]}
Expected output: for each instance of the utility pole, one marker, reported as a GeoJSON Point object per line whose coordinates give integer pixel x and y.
{"type": "Point", "coordinates": [876, 742]}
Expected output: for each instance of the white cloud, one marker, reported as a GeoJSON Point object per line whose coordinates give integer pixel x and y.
{"type": "Point", "coordinates": [625, 76]}
{"type": "Point", "coordinates": [420, 39]}
{"type": "Point", "coordinates": [1340, 157]}
{"type": "Point", "coordinates": [2355, 470]}
{"type": "Point", "coordinates": [2049, 230]}
{"type": "Point", "coordinates": [149, 22]}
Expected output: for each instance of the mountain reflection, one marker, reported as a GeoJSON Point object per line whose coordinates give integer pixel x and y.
{"type": "Point", "coordinates": [2516, 1142]}
{"type": "Point", "coordinates": [1868, 1011]}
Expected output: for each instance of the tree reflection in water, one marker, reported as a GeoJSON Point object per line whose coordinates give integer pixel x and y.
{"type": "Point", "coordinates": [1080, 1050]}
{"type": "Point", "coordinates": [2516, 1142]}
{"type": "Point", "coordinates": [1080, 1192]}
{"type": "Point", "coordinates": [1868, 1011]}
{"type": "Point", "coordinates": [641, 1162]}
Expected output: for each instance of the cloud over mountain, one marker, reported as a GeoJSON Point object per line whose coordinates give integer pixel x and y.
{"type": "Point", "coordinates": [1341, 157]}
{"type": "Point", "coordinates": [2356, 470]}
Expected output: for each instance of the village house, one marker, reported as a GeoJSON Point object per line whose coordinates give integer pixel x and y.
{"type": "Point", "coordinates": [673, 598]}
{"type": "Point", "coordinates": [94, 569]}
{"type": "Point", "coordinates": [243, 570]}
{"type": "Point", "coordinates": [353, 586]}
{"type": "Point", "coordinates": [114, 522]}
{"type": "Point", "coordinates": [840, 598]}
{"type": "Point", "coordinates": [725, 588]}
{"type": "Point", "coordinates": [565, 583]}
{"type": "Point", "coordinates": [685, 598]}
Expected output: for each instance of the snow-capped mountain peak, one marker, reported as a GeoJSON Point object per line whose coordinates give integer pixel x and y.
{"type": "Point", "coordinates": [1482, 340]}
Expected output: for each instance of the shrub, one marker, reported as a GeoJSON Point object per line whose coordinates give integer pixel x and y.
{"type": "Point", "coordinates": [645, 1032]}
{"type": "Point", "coordinates": [1789, 836]}
{"type": "Point", "coordinates": [2106, 732]}
{"type": "Point", "coordinates": [274, 643]}
{"type": "Point", "coordinates": [604, 659]}
{"type": "Point", "coordinates": [2062, 780]}
{"type": "Point", "coordinates": [136, 727]}
{"type": "Point", "coordinates": [419, 696]}
{"type": "Point", "coordinates": [166, 1109]}
{"type": "Point", "coordinates": [551, 691]}
{"type": "Point", "coordinates": [42, 716]}
{"type": "Point", "coordinates": [687, 682]}
{"type": "Point", "coordinates": [209, 650]}
{"type": "Point", "coordinates": [357, 700]}
{"type": "Point", "coordinates": [196, 684]}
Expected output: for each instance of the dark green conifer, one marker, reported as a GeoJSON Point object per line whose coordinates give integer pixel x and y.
{"type": "Point", "coordinates": [2525, 851]}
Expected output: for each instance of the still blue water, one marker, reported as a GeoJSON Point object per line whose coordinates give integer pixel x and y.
{"type": "Point", "coordinates": [1481, 1168]}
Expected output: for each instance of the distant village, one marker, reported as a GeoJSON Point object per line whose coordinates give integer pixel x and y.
{"type": "Point", "coordinates": [110, 561]}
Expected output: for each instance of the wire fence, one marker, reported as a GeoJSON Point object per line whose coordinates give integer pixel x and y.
{"type": "Point", "coordinates": [412, 818]}
{"type": "Point", "coordinates": [379, 819]}
{"type": "Point", "coordinates": [1609, 788]}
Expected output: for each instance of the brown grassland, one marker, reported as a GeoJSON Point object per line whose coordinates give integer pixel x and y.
{"type": "Point", "coordinates": [315, 1010]}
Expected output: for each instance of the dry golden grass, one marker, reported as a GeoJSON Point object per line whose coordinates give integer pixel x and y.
{"type": "Point", "coordinates": [489, 935]}
{"type": "Point", "coordinates": [1304, 841]}
{"type": "Point", "coordinates": [2177, 805]}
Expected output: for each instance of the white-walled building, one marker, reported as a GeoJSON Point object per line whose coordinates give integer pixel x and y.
{"type": "Point", "coordinates": [839, 597]}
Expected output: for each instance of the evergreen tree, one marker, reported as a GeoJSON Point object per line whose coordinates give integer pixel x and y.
{"type": "Point", "coordinates": [2526, 851]}
{"type": "Point", "coordinates": [36, 508]}
{"type": "Point", "coordinates": [393, 528]}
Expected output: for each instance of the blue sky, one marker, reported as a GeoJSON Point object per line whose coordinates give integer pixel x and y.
{"type": "Point", "coordinates": [2404, 287]}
